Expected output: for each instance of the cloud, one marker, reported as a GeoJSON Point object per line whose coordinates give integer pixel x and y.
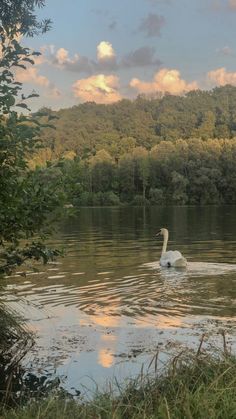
{"type": "Point", "coordinates": [99, 88]}
{"type": "Point", "coordinates": [225, 51]}
{"type": "Point", "coordinates": [105, 51]}
{"type": "Point", "coordinates": [111, 20]}
{"type": "Point", "coordinates": [157, 2]}
{"type": "Point", "coordinates": [106, 57]}
{"type": "Point", "coordinates": [221, 77]}
{"type": "Point", "coordinates": [232, 4]}
{"type": "Point", "coordinates": [106, 61]}
{"type": "Point", "coordinates": [53, 92]}
{"type": "Point", "coordinates": [220, 6]}
{"type": "Point", "coordinates": [31, 75]}
{"type": "Point", "coordinates": [152, 25]}
{"type": "Point", "coordinates": [112, 25]}
{"type": "Point", "coordinates": [62, 56]}
{"type": "Point", "coordinates": [141, 57]}
{"type": "Point", "coordinates": [164, 81]}
{"type": "Point", "coordinates": [78, 63]}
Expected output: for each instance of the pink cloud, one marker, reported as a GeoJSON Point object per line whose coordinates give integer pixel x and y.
{"type": "Point", "coordinates": [221, 77]}
{"type": "Point", "coordinates": [164, 81]}
{"type": "Point", "coordinates": [31, 75]}
{"type": "Point", "coordinates": [99, 88]}
{"type": "Point", "coordinates": [232, 4]}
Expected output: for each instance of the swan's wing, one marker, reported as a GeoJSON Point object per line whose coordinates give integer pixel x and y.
{"type": "Point", "coordinates": [170, 257]}
{"type": "Point", "coordinates": [167, 258]}
{"type": "Point", "coordinates": [176, 254]}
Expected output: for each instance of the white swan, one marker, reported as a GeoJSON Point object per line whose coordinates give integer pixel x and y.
{"type": "Point", "coordinates": [171, 258]}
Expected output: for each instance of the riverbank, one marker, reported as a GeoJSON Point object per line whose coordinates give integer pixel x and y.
{"type": "Point", "coordinates": [193, 386]}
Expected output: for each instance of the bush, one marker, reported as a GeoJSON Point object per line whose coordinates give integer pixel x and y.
{"type": "Point", "coordinates": [96, 199]}
{"type": "Point", "coordinates": [84, 200]}
{"type": "Point", "coordinates": [156, 196]}
{"type": "Point", "coordinates": [111, 198]}
{"type": "Point", "coordinates": [139, 201]}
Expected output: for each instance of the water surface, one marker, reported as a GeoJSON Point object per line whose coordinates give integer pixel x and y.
{"type": "Point", "coordinates": [106, 307]}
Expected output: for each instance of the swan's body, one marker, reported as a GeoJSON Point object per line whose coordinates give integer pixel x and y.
{"type": "Point", "coordinates": [171, 258]}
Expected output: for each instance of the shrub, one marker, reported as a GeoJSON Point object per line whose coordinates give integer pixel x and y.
{"type": "Point", "coordinates": [139, 201]}
{"type": "Point", "coordinates": [156, 196]}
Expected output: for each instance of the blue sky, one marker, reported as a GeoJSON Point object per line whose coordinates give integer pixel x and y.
{"type": "Point", "coordinates": [104, 50]}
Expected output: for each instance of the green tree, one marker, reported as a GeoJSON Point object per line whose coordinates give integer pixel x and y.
{"type": "Point", "coordinates": [28, 199]}
{"type": "Point", "coordinates": [207, 127]}
{"type": "Point", "coordinates": [126, 175]}
{"type": "Point", "coordinates": [141, 158]}
{"type": "Point", "coordinates": [179, 184]}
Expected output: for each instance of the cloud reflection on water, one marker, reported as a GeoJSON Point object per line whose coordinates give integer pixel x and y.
{"type": "Point", "coordinates": [108, 296]}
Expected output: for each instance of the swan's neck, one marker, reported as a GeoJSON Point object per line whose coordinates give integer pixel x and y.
{"type": "Point", "coordinates": [164, 247]}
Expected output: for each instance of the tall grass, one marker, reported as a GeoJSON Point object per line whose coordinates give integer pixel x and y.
{"type": "Point", "coordinates": [12, 330]}
{"type": "Point", "coordinates": [15, 341]}
{"type": "Point", "coordinates": [193, 386]}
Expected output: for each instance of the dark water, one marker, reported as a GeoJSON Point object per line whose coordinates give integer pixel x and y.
{"type": "Point", "coordinates": [106, 307]}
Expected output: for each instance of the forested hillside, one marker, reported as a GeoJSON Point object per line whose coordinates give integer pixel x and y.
{"type": "Point", "coordinates": [173, 149]}
{"type": "Point", "coordinates": [118, 128]}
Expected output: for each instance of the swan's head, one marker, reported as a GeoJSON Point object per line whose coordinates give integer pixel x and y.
{"type": "Point", "coordinates": [162, 232]}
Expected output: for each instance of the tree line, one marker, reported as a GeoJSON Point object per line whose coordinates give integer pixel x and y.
{"type": "Point", "coordinates": [193, 171]}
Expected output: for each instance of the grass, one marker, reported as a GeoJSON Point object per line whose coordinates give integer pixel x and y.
{"type": "Point", "coordinates": [12, 330]}
{"type": "Point", "coordinates": [15, 341]}
{"type": "Point", "coordinates": [193, 386]}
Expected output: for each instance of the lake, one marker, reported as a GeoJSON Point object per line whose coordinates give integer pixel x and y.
{"type": "Point", "coordinates": [106, 307]}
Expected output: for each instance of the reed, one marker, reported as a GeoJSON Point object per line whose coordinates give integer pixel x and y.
{"type": "Point", "coordinates": [196, 385]}
{"type": "Point", "coordinates": [15, 341]}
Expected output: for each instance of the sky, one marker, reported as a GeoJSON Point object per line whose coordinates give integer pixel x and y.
{"type": "Point", "coordinates": [106, 50]}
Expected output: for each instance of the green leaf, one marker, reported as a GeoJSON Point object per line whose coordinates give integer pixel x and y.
{"type": "Point", "coordinates": [22, 105]}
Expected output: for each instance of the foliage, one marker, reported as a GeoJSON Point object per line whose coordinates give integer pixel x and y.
{"type": "Point", "coordinates": [120, 127]}
{"type": "Point", "coordinates": [20, 15]}
{"type": "Point", "coordinates": [28, 198]}
{"type": "Point", "coordinates": [195, 387]}
{"type": "Point", "coordinates": [171, 150]}
{"type": "Point", "coordinates": [178, 172]}
{"type": "Point", "coordinates": [17, 18]}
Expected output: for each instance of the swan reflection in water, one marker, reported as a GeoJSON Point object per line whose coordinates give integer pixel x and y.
{"type": "Point", "coordinates": [193, 269]}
